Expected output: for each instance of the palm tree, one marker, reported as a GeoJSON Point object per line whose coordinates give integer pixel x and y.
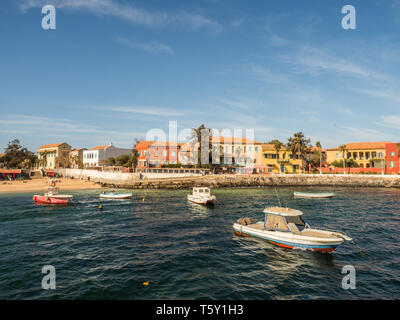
{"type": "Point", "coordinates": [343, 150]}
{"type": "Point", "coordinates": [299, 145]}
{"type": "Point", "coordinates": [135, 155]}
{"type": "Point", "coordinates": [196, 138]}
{"type": "Point", "coordinates": [278, 146]}
{"type": "Point", "coordinates": [319, 146]}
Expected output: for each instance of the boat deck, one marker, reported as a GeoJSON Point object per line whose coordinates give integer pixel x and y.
{"type": "Point", "coordinates": [307, 233]}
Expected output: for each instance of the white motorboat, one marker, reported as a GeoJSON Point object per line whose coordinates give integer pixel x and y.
{"type": "Point", "coordinates": [115, 195]}
{"type": "Point", "coordinates": [284, 227]}
{"type": "Point", "coordinates": [313, 194]}
{"type": "Point", "coordinates": [201, 196]}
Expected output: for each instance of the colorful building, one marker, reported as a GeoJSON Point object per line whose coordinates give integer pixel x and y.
{"type": "Point", "coordinates": [98, 156]}
{"type": "Point", "coordinates": [53, 156]}
{"type": "Point", "coordinates": [163, 153]}
{"type": "Point", "coordinates": [393, 158]}
{"type": "Point", "coordinates": [143, 153]}
{"type": "Point", "coordinates": [366, 154]}
{"type": "Point", "coordinates": [282, 162]}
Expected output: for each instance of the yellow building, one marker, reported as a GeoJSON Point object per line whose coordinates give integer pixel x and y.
{"type": "Point", "coordinates": [285, 162]}
{"type": "Point", "coordinates": [366, 154]}
{"type": "Point", "coordinates": [52, 156]}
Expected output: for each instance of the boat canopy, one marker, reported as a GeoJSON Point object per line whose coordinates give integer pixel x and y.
{"type": "Point", "coordinates": [201, 190]}
{"type": "Point", "coordinates": [284, 212]}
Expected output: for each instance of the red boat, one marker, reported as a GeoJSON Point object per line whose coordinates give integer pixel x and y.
{"type": "Point", "coordinates": [52, 196]}
{"type": "Point", "coordinates": [49, 200]}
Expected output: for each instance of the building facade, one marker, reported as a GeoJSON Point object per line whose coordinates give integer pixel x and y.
{"type": "Point", "coordinates": [163, 153]}
{"type": "Point", "coordinates": [282, 162]}
{"type": "Point", "coordinates": [365, 154]}
{"type": "Point", "coordinates": [143, 153]}
{"type": "Point", "coordinates": [76, 158]}
{"type": "Point", "coordinates": [393, 158]}
{"type": "Point", "coordinates": [98, 156]}
{"type": "Point", "coordinates": [53, 156]}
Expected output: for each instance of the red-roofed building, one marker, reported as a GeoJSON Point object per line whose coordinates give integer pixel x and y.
{"type": "Point", "coordinates": [366, 154]}
{"type": "Point", "coordinates": [143, 153]}
{"type": "Point", "coordinates": [56, 155]}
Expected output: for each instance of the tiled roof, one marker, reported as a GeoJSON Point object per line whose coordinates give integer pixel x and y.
{"type": "Point", "coordinates": [54, 145]}
{"type": "Point", "coordinates": [363, 145]}
{"type": "Point", "coordinates": [144, 144]}
{"type": "Point", "coordinates": [100, 147]}
{"type": "Point", "coordinates": [2, 155]}
{"type": "Point", "coordinates": [234, 140]}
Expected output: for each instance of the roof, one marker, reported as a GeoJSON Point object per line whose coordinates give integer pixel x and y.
{"type": "Point", "coordinates": [363, 145]}
{"type": "Point", "coordinates": [234, 140]}
{"type": "Point", "coordinates": [2, 155]}
{"type": "Point", "coordinates": [144, 144]}
{"type": "Point", "coordinates": [270, 146]}
{"type": "Point", "coordinates": [165, 144]}
{"type": "Point", "coordinates": [285, 212]}
{"type": "Point", "coordinates": [54, 145]}
{"type": "Point", "coordinates": [100, 147]}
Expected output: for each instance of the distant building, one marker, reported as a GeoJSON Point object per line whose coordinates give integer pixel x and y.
{"type": "Point", "coordinates": [284, 162]}
{"type": "Point", "coordinates": [393, 158]}
{"type": "Point", "coordinates": [366, 154]}
{"type": "Point", "coordinates": [163, 153]}
{"type": "Point", "coordinates": [143, 153]}
{"type": "Point", "coordinates": [98, 156]}
{"type": "Point", "coordinates": [76, 158]}
{"type": "Point", "coordinates": [53, 156]}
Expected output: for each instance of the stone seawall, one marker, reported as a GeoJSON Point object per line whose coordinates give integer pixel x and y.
{"type": "Point", "coordinates": [233, 181]}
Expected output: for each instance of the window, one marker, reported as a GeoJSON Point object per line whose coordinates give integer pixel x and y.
{"type": "Point", "coordinates": [391, 164]}
{"type": "Point", "coordinates": [393, 154]}
{"type": "Point", "coordinates": [380, 155]}
{"type": "Point", "coordinates": [337, 155]}
{"type": "Point", "coordinates": [256, 149]}
{"type": "Point", "coordinates": [165, 153]}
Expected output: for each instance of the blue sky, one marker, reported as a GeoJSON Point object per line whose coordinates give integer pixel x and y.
{"type": "Point", "coordinates": [114, 69]}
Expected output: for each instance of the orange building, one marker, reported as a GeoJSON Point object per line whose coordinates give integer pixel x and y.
{"type": "Point", "coordinates": [143, 153]}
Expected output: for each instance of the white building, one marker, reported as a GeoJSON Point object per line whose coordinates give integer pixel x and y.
{"type": "Point", "coordinates": [98, 156]}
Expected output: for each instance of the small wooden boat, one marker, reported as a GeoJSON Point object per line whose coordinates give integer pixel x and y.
{"type": "Point", "coordinates": [201, 196]}
{"type": "Point", "coordinates": [313, 194]}
{"type": "Point", "coordinates": [115, 195]}
{"type": "Point", "coordinates": [52, 196]}
{"type": "Point", "coordinates": [284, 227]}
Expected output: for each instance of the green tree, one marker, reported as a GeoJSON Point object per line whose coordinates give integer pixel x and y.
{"type": "Point", "coordinates": [123, 160]}
{"type": "Point", "coordinates": [299, 145]}
{"type": "Point", "coordinates": [195, 139]}
{"type": "Point", "coordinates": [135, 155]}
{"type": "Point", "coordinates": [343, 150]}
{"type": "Point", "coordinates": [15, 154]}
{"type": "Point", "coordinates": [278, 146]}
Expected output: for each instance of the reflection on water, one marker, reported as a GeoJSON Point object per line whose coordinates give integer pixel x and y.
{"type": "Point", "coordinates": [189, 251]}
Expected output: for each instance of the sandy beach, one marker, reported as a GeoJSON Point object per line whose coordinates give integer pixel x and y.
{"type": "Point", "coordinates": [41, 184]}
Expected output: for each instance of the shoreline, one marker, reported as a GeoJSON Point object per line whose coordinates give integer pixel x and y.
{"type": "Point", "coordinates": [243, 181]}
{"type": "Point", "coordinates": [212, 181]}
{"type": "Point", "coordinates": [39, 185]}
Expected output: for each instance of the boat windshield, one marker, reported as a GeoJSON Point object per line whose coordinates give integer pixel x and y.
{"type": "Point", "coordinates": [297, 220]}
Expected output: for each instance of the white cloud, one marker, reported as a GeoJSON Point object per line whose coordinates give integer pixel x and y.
{"type": "Point", "coordinates": [392, 121]}
{"type": "Point", "coordinates": [153, 47]}
{"type": "Point", "coordinates": [128, 12]}
{"type": "Point", "coordinates": [366, 134]}
{"type": "Point", "coordinates": [147, 110]}
{"type": "Point", "coordinates": [316, 61]}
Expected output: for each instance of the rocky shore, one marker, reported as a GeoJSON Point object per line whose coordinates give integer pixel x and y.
{"type": "Point", "coordinates": [236, 181]}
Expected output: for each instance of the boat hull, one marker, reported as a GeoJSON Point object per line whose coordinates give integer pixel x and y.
{"type": "Point", "coordinates": [203, 201]}
{"type": "Point", "coordinates": [313, 195]}
{"type": "Point", "coordinates": [116, 196]}
{"type": "Point", "coordinates": [49, 200]}
{"type": "Point", "coordinates": [288, 240]}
